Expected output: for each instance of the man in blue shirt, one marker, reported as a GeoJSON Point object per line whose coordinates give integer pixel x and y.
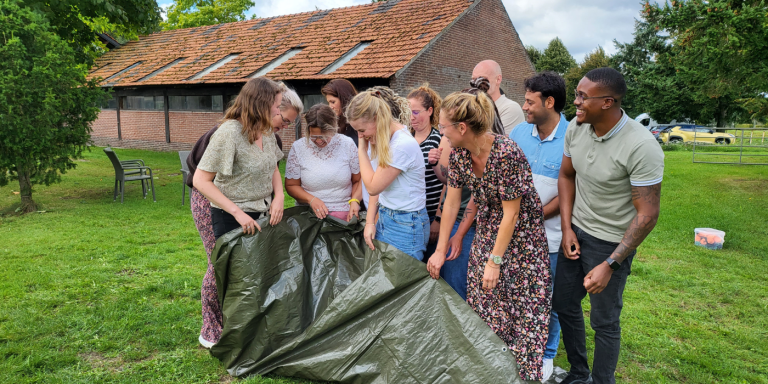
{"type": "Point", "coordinates": [541, 138]}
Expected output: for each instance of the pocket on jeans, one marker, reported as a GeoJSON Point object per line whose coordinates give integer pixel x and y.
{"type": "Point", "coordinates": [404, 219]}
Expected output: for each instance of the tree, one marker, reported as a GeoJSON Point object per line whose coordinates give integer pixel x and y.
{"type": "Point", "coordinates": [719, 48]}
{"type": "Point", "coordinates": [653, 85]}
{"type": "Point", "coordinates": [594, 59]}
{"type": "Point", "coordinates": [556, 58]}
{"type": "Point", "coordinates": [196, 13]}
{"type": "Point", "coordinates": [46, 104]}
{"type": "Point", "coordinates": [535, 55]}
{"type": "Point", "coordinates": [78, 21]}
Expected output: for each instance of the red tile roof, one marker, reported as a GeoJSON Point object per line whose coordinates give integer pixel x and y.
{"type": "Point", "coordinates": [398, 30]}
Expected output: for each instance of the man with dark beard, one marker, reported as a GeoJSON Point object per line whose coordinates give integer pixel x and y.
{"type": "Point", "coordinates": [609, 188]}
{"type": "Point", "coordinates": [541, 138]}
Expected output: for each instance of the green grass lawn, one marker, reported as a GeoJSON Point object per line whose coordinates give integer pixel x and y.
{"type": "Point", "coordinates": [96, 291]}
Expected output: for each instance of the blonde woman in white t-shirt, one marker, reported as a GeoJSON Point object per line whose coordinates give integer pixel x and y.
{"type": "Point", "coordinates": [397, 188]}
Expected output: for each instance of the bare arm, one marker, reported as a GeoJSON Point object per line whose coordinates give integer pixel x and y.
{"type": "Point", "coordinates": [450, 211]}
{"type": "Point", "coordinates": [442, 166]}
{"type": "Point", "coordinates": [647, 202]}
{"type": "Point", "coordinates": [552, 208]}
{"type": "Point", "coordinates": [203, 181]}
{"type": "Point", "coordinates": [378, 181]}
{"type": "Point", "coordinates": [357, 187]}
{"type": "Point", "coordinates": [294, 189]}
{"type": "Point", "coordinates": [278, 202]}
{"type": "Point", "coordinates": [566, 193]}
{"type": "Point", "coordinates": [469, 216]}
{"type": "Point", "coordinates": [511, 210]}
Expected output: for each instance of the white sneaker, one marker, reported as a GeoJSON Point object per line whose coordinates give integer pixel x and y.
{"type": "Point", "coordinates": [207, 344]}
{"type": "Point", "coordinates": [549, 367]}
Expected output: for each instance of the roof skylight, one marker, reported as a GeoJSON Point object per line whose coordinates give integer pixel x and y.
{"type": "Point", "coordinates": [161, 70]}
{"type": "Point", "coordinates": [215, 66]}
{"type": "Point", "coordinates": [345, 58]}
{"type": "Point", "coordinates": [277, 62]}
{"type": "Point", "coordinates": [124, 70]}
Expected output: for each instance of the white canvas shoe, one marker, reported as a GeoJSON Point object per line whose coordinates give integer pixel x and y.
{"type": "Point", "coordinates": [207, 344]}
{"type": "Point", "coordinates": [549, 367]}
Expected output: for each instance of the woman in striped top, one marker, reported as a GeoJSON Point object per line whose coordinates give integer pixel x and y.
{"type": "Point", "coordinates": [425, 107]}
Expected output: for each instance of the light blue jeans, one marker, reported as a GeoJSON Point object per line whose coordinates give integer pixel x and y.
{"type": "Point", "coordinates": [553, 341]}
{"type": "Point", "coordinates": [406, 231]}
{"type": "Point", "coordinates": [455, 271]}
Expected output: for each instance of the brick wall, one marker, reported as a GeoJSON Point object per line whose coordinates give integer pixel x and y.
{"type": "Point", "coordinates": [146, 129]}
{"type": "Point", "coordinates": [485, 32]}
{"type": "Point", "coordinates": [188, 126]}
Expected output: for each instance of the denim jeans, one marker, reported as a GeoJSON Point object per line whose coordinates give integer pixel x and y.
{"type": "Point", "coordinates": [605, 308]}
{"type": "Point", "coordinates": [454, 272]}
{"type": "Point", "coordinates": [553, 341]}
{"type": "Point", "coordinates": [406, 231]}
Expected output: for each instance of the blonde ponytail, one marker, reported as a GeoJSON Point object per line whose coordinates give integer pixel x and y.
{"type": "Point", "coordinates": [477, 111]}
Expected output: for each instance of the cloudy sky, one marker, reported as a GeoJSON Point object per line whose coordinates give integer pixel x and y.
{"type": "Point", "coordinates": [582, 25]}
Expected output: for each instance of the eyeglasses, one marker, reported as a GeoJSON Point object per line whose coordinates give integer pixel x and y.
{"type": "Point", "coordinates": [320, 137]}
{"type": "Point", "coordinates": [582, 97]}
{"type": "Point", "coordinates": [441, 127]}
{"type": "Point", "coordinates": [285, 121]}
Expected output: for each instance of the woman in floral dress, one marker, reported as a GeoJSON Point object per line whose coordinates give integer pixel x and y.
{"type": "Point", "coordinates": [508, 280]}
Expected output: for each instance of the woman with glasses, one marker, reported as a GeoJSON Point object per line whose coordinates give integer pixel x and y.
{"type": "Point", "coordinates": [290, 108]}
{"type": "Point", "coordinates": [392, 168]}
{"type": "Point", "coordinates": [338, 93]}
{"type": "Point", "coordinates": [508, 278]}
{"type": "Point", "coordinates": [323, 170]}
{"type": "Point", "coordinates": [425, 109]}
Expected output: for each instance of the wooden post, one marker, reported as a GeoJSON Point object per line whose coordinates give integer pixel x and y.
{"type": "Point", "coordinates": [167, 120]}
{"type": "Point", "coordinates": [119, 134]}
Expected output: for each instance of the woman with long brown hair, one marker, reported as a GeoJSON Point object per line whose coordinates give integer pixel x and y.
{"type": "Point", "coordinates": [238, 171]}
{"type": "Point", "coordinates": [338, 93]}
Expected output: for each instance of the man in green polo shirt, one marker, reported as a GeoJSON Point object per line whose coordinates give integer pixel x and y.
{"type": "Point", "coordinates": [609, 187]}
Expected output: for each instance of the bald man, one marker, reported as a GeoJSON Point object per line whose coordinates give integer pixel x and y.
{"type": "Point", "coordinates": [509, 111]}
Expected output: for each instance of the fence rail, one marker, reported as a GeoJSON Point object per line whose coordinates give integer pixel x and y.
{"type": "Point", "coordinates": [749, 144]}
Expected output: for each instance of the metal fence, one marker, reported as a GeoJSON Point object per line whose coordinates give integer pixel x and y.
{"type": "Point", "coordinates": [749, 146]}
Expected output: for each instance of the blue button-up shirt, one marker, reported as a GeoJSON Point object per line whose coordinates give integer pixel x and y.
{"type": "Point", "coordinates": [544, 156]}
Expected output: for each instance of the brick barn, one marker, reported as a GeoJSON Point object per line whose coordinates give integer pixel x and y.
{"type": "Point", "coordinates": [171, 87]}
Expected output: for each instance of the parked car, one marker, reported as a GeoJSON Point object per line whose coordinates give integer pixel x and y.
{"type": "Point", "coordinates": [687, 133]}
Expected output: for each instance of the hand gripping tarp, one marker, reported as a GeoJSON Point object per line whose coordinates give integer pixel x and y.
{"type": "Point", "coordinates": [307, 298]}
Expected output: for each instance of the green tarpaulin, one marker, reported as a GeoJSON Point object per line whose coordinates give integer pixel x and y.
{"type": "Point", "coordinates": [308, 299]}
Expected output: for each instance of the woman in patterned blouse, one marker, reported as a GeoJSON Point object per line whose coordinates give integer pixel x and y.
{"type": "Point", "coordinates": [323, 171]}
{"type": "Point", "coordinates": [508, 279]}
{"type": "Point", "coordinates": [238, 171]}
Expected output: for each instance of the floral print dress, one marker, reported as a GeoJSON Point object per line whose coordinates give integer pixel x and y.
{"type": "Point", "coordinates": [518, 308]}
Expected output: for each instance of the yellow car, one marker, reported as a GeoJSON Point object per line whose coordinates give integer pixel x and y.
{"type": "Point", "coordinates": [687, 133]}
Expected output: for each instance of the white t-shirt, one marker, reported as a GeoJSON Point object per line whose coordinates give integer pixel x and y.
{"type": "Point", "coordinates": [408, 192]}
{"type": "Point", "coordinates": [325, 173]}
{"type": "Point", "coordinates": [510, 112]}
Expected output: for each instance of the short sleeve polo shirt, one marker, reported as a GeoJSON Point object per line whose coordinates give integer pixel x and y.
{"type": "Point", "coordinates": [545, 156]}
{"type": "Point", "coordinates": [607, 168]}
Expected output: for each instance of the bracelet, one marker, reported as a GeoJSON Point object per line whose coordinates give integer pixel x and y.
{"type": "Point", "coordinates": [313, 199]}
{"type": "Point", "coordinates": [487, 264]}
{"type": "Point", "coordinates": [438, 218]}
{"type": "Point", "coordinates": [355, 200]}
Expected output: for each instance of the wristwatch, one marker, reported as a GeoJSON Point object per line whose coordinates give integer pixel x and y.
{"type": "Point", "coordinates": [437, 218]}
{"type": "Point", "coordinates": [615, 265]}
{"type": "Point", "coordinates": [498, 260]}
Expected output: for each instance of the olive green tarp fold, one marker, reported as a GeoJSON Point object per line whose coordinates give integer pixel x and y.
{"type": "Point", "coordinates": [307, 298]}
